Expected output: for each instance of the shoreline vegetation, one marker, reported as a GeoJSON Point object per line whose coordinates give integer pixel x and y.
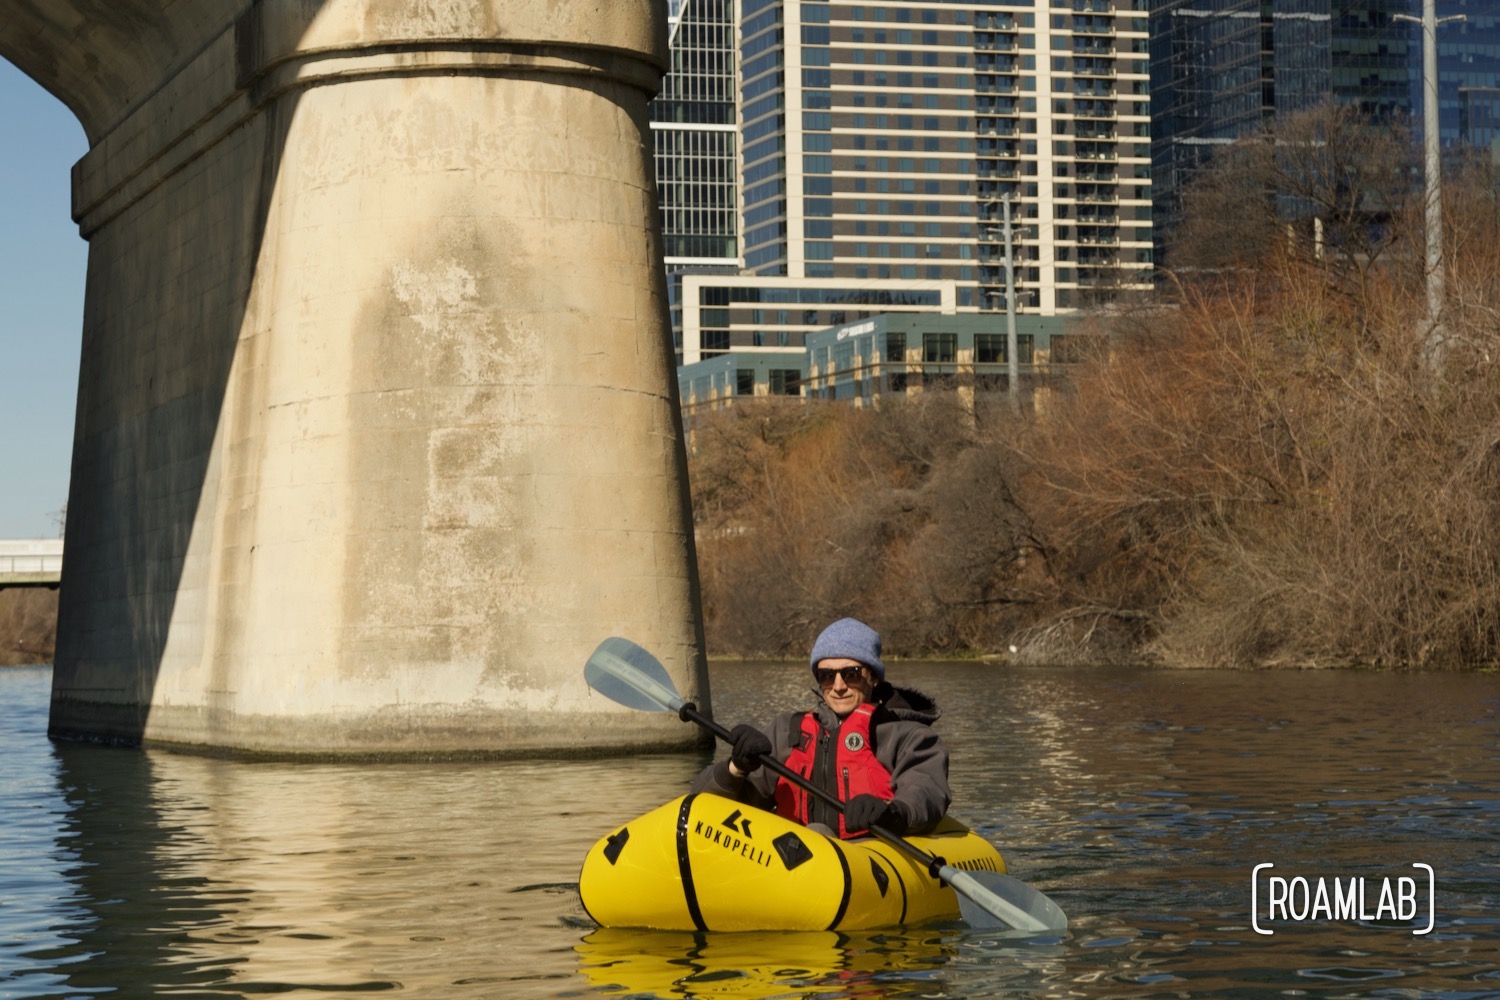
{"type": "Point", "coordinates": [1275, 460]}
{"type": "Point", "coordinates": [28, 626]}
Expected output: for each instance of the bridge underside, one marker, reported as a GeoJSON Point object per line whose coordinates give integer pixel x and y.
{"type": "Point", "coordinates": [376, 435]}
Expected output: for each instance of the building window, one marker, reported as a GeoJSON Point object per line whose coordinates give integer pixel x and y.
{"type": "Point", "coordinates": [940, 348]}
{"type": "Point", "coordinates": [744, 382]}
{"type": "Point", "coordinates": [989, 348]}
{"type": "Point", "coordinates": [784, 382]}
{"type": "Point", "coordinates": [895, 347]}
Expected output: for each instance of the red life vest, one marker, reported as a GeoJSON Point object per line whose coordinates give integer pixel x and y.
{"type": "Point", "coordinates": [856, 771]}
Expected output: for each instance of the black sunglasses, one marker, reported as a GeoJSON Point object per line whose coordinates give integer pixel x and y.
{"type": "Point", "coordinates": [849, 674]}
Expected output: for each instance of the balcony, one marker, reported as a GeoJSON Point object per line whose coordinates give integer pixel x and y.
{"type": "Point", "coordinates": [996, 43]}
{"type": "Point", "coordinates": [1006, 109]}
{"type": "Point", "coordinates": [996, 65]}
{"type": "Point", "coordinates": [1093, 67]}
{"type": "Point", "coordinates": [1093, 109]}
{"type": "Point", "coordinates": [994, 256]}
{"type": "Point", "coordinates": [1008, 149]}
{"type": "Point", "coordinates": [993, 191]}
{"type": "Point", "coordinates": [1093, 26]}
{"type": "Point", "coordinates": [1090, 88]}
{"type": "Point", "coordinates": [995, 213]}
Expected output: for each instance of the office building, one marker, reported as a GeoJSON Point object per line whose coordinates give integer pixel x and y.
{"type": "Point", "coordinates": [886, 355]}
{"type": "Point", "coordinates": [747, 312]}
{"type": "Point", "coordinates": [1223, 69]}
{"type": "Point", "coordinates": [1468, 73]}
{"type": "Point", "coordinates": [719, 382]}
{"type": "Point", "coordinates": [904, 355]}
{"type": "Point", "coordinates": [877, 141]}
{"type": "Point", "coordinates": [1220, 69]}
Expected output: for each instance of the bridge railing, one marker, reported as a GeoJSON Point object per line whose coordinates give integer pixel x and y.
{"type": "Point", "coordinates": [30, 562]}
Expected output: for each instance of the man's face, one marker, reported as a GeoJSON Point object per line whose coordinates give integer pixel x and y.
{"type": "Point", "coordinates": [844, 683]}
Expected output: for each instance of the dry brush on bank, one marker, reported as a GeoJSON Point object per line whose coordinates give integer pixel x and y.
{"type": "Point", "coordinates": [28, 625]}
{"type": "Point", "coordinates": [1263, 467]}
{"type": "Point", "coordinates": [899, 516]}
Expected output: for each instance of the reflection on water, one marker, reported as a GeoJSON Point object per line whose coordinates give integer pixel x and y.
{"type": "Point", "coordinates": [1138, 800]}
{"type": "Point", "coordinates": [748, 966]}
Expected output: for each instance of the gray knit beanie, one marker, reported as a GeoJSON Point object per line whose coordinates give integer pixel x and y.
{"type": "Point", "coordinates": [851, 639]}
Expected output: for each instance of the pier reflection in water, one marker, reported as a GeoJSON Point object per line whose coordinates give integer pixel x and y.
{"type": "Point", "coordinates": [1139, 800]}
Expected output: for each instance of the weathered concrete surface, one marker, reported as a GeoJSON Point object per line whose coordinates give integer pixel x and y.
{"type": "Point", "coordinates": [376, 430]}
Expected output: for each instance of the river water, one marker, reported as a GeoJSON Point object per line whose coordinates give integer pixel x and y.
{"type": "Point", "coordinates": [1141, 801]}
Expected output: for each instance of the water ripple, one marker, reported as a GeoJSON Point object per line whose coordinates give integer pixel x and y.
{"type": "Point", "coordinates": [1138, 800]}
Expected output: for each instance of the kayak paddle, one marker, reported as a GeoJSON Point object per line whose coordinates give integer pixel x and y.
{"type": "Point", "coordinates": [628, 674]}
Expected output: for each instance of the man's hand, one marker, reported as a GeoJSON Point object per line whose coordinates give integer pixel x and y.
{"type": "Point", "coordinates": [865, 811]}
{"type": "Point", "coordinates": [746, 746]}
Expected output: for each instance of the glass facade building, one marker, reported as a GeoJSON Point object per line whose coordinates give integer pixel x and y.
{"type": "Point", "coordinates": [1374, 58]}
{"type": "Point", "coordinates": [695, 132]}
{"type": "Point", "coordinates": [1206, 60]}
{"type": "Point", "coordinates": [1468, 73]}
{"type": "Point", "coordinates": [1221, 68]}
{"type": "Point", "coordinates": [878, 139]}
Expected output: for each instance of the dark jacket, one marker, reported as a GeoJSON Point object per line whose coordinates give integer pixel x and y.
{"type": "Point", "coordinates": [905, 744]}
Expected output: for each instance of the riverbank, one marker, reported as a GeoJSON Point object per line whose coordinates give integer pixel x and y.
{"type": "Point", "coordinates": [28, 626]}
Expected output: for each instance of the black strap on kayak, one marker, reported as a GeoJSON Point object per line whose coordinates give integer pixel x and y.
{"type": "Point", "coordinates": [848, 885]}
{"type": "Point", "coordinates": [685, 866]}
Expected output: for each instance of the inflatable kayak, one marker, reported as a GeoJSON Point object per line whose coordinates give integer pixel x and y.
{"type": "Point", "coordinates": [703, 862]}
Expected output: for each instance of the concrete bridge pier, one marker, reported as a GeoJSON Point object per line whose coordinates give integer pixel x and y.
{"type": "Point", "coordinates": [377, 434]}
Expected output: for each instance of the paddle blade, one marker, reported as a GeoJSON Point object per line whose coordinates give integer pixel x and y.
{"type": "Point", "coordinates": [990, 899]}
{"type": "Point", "coordinates": [624, 672]}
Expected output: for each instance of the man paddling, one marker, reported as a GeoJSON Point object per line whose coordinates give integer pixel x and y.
{"type": "Point", "coordinates": [865, 741]}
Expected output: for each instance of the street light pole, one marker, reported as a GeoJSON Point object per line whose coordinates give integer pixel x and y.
{"type": "Point", "coordinates": [1432, 174]}
{"type": "Point", "coordinates": [1012, 363]}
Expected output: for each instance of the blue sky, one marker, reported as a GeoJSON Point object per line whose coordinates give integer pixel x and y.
{"type": "Point", "coordinates": [42, 261]}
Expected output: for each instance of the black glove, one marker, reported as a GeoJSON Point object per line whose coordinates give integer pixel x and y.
{"type": "Point", "coordinates": [746, 745]}
{"type": "Point", "coordinates": [865, 811]}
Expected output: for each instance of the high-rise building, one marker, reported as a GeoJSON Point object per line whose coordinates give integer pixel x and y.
{"type": "Point", "coordinates": [878, 139]}
{"type": "Point", "coordinates": [877, 143]}
{"type": "Point", "coordinates": [695, 131]}
{"type": "Point", "coordinates": [1221, 69]}
{"type": "Point", "coordinates": [1468, 72]}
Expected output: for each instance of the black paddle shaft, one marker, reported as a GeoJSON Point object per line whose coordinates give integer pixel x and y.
{"type": "Point", "coordinates": [689, 713]}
